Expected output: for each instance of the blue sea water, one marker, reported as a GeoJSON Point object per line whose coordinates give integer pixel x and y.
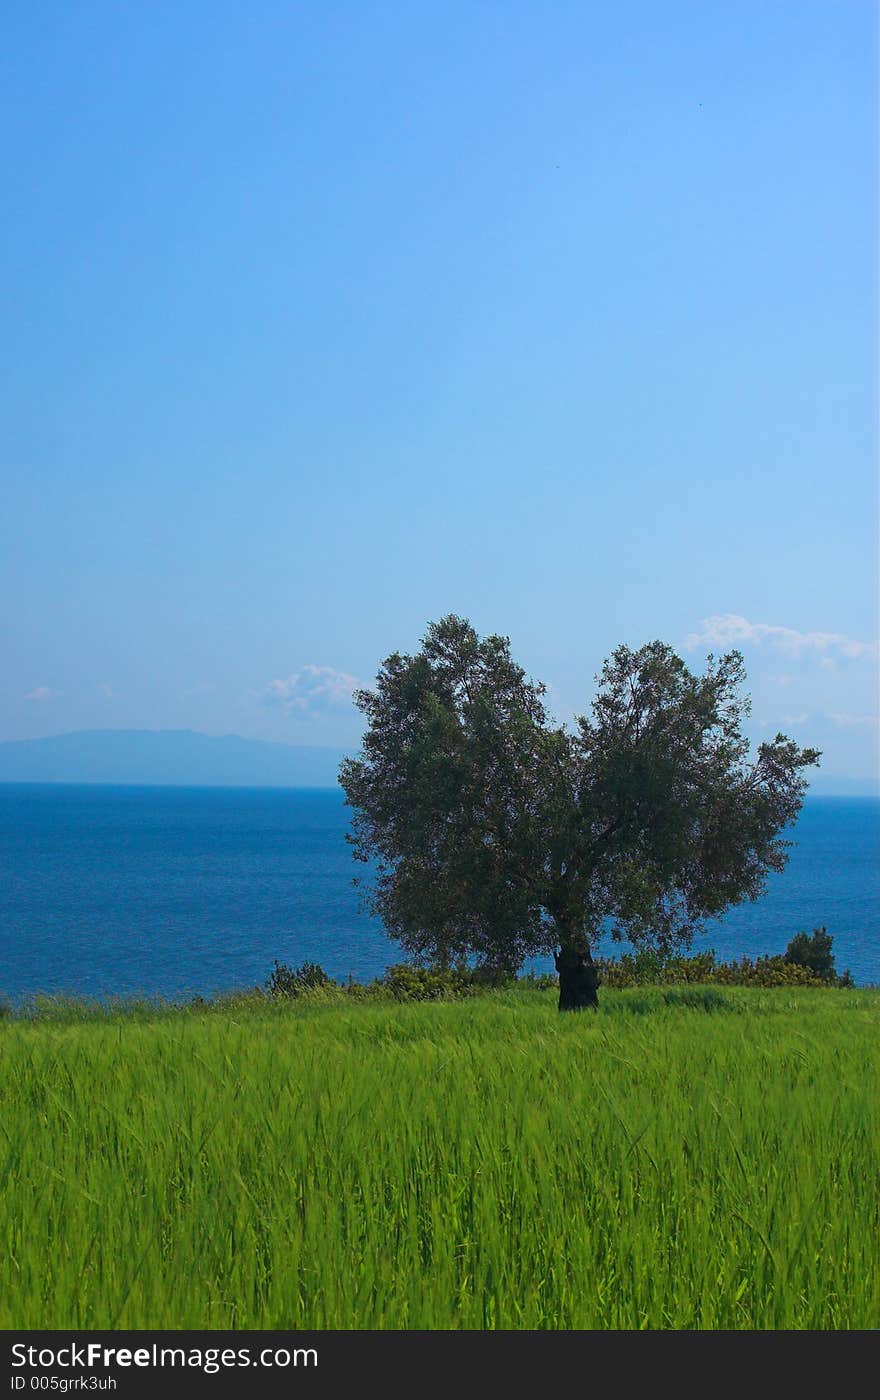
{"type": "Point", "coordinates": [176, 891]}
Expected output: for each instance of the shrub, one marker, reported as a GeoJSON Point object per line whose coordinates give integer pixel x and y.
{"type": "Point", "coordinates": [408, 983]}
{"type": "Point", "coordinates": [287, 981]}
{"type": "Point", "coordinates": [763, 972]}
{"type": "Point", "coordinates": [539, 981]}
{"type": "Point", "coordinates": [814, 951]}
{"type": "Point", "coordinates": [776, 971]}
{"type": "Point", "coordinates": [648, 969]}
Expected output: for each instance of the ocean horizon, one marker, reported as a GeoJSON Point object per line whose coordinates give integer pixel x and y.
{"type": "Point", "coordinates": [127, 890]}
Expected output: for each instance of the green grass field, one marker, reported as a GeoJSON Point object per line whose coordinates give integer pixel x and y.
{"type": "Point", "coordinates": [480, 1164]}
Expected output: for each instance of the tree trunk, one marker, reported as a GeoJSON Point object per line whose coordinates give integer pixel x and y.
{"type": "Point", "coordinates": [578, 978]}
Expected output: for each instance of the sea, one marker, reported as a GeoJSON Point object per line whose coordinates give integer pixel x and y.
{"type": "Point", "coordinates": [172, 892]}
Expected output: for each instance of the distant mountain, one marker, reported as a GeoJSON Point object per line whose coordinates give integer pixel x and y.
{"type": "Point", "coordinates": [185, 758]}
{"type": "Point", "coordinates": [179, 757]}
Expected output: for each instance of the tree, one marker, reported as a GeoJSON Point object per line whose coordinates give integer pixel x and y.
{"type": "Point", "coordinates": [814, 951]}
{"type": "Point", "coordinates": [494, 832]}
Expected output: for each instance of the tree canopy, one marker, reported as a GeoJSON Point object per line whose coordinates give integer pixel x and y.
{"type": "Point", "coordinates": [494, 831]}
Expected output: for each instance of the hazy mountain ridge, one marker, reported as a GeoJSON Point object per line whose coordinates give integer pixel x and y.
{"type": "Point", "coordinates": [179, 757]}
{"type": "Point", "coordinates": [185, 757]}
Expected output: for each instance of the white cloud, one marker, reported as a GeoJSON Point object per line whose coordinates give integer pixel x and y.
{"type": "Point", "coordinates": [729, 629]}
{"type": "Point", "coordinates": [794, 719]}
{"type": "Point", "coordinates": [107, 690]}
{"type": "Point", "coordinates": [310, 688]}
{"type": "Point", "coordinates": [41, 693]}
{"type": "Point", "coordinates": [855, 721]}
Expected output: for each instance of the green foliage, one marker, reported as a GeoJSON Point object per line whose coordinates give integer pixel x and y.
{"type": "Point", "coordinates": [410, 982]}
{"type": "Point", "coordinates": [492, 832]}
{"type": "Point", "coordinates": [647, 966]}
{"type": "Point", "coordinates": [648, 969]}
{"type": "Point", "coordinates": [406, 982]}
{"type": "Point", "coordinates": [538, 981]}
{"type": "Point", "coordinates": [477, 1164]}
{"type": "Point", "coordinates": [763, 972]}
{"type": "Point", "coordinates": [285, 981]}
{"type": "Point", "coordinates": [813, 951]}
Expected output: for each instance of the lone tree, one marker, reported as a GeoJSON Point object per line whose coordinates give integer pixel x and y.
{"type": "Point", "coordinates": [496, 833]}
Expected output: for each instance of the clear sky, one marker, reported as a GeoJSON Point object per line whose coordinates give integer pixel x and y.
{"type": "Point", "coordinates": [322, 320]}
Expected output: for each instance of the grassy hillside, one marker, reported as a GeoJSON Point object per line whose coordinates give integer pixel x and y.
{"type": "Point", "coordinates": [683, 1158]}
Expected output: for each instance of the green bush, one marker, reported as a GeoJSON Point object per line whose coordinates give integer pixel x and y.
{"type": "Point", "coordinates": [408, 983]}
{"type": "Point", "coordinates": [538, 981]}
{"type": "Point", "coordinates": [763, 972]}
{"type": "Point", "coordinates": [645, 970]}
{"type": "Point", "coordinates": [636, 970]}
{"type": "Point", "coordinates": [813, 951]}
{"type": "Point", "coordinates": [286, 981]}
{"type": "Point", "coordinates": [807, 962]}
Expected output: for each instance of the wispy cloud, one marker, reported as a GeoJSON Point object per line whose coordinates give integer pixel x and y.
{"type": "Point", "coordinates": [41, 693]}
{"type": "Point", "coordinates": [844, 721]}
{"type": "Point", "coordinates": [794, 719]}
{"type": "Point", "coordinates": [107, 690]}
{"type": "Point", "coordinates": [311, 688]}
{"type": "Point", "coordinates": [729, 629]}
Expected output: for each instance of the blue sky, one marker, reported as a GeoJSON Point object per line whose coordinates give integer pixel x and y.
{"type": "Point", "coordinates": [323, 320]}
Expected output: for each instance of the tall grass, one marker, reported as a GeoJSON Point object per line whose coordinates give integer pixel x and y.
{"type": "Point", "coordinates": [684, 1158]}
